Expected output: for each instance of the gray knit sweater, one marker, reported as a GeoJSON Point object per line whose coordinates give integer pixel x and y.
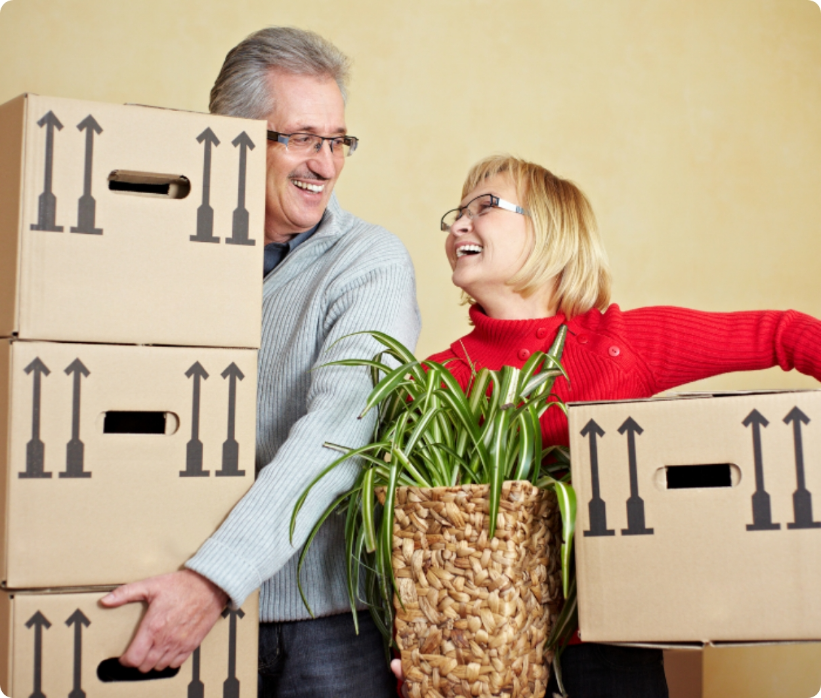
{"type": "Point", "coordinates": [347, 277]}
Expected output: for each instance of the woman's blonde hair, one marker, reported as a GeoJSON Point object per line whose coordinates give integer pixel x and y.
{"type": "Point", "coordinates": [567, 249]}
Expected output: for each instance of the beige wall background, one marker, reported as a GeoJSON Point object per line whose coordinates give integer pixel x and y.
{"type": "Point", "coordinates": [692, 126]}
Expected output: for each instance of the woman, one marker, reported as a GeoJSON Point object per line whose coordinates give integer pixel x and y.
{"type": "Point", "coordinates": [524, 248]}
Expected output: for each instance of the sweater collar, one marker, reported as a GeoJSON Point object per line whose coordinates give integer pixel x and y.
{"type": "Point", "coordinates": [495, 343]}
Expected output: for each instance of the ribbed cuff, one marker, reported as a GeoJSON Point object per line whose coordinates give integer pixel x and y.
{"type": "Point", "coordinates": [231, 573]}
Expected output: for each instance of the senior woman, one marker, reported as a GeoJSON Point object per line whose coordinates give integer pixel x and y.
{"type": "Point", "coordinates": [524, 248]}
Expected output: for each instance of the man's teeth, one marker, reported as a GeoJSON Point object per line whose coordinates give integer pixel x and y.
{"type": "Point", "coordinates": [310, 187]}
{"type": "Point", "coordinates": [468, 249]}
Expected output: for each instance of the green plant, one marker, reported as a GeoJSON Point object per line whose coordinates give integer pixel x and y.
{"type": "Point", "coordinates": [431, 433]}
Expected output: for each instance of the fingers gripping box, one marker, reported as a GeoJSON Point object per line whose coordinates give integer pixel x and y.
{"type": "Point", "coordinates": [699, 518]}
{"type": "Point", "coordinates": [66, 644]}
{"type": "Point", "coordinates": [130, 224]}
{"type": "Point", "coordinates": [118, 461]}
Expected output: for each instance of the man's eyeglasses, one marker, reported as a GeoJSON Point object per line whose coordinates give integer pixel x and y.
{"type": "Point", "coordinates": [478, 207]}
{"type": "Point", "coordinates": [341, 146]}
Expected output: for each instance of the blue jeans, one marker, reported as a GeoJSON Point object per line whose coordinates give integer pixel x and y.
{"type": "Point", "coordinates": [590, 670]}
{"type": "Point", "coordinates": [323, 658]}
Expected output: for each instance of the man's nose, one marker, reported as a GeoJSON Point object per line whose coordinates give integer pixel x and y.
{"type": "Point", "coordinates": [323, 159]}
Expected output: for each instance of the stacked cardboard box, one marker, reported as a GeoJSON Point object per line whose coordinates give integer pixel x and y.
{"type": "Point", "coordinates": [130, 301]}
{"type": "Point", "coordinates": [696, 521]}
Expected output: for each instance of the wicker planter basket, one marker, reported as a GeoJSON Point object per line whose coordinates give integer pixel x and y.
{"type": "Point", "coordinates": [476, 611]}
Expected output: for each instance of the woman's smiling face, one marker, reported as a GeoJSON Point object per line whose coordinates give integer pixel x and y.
{"type": "Point", "coordinates": [487, 251]}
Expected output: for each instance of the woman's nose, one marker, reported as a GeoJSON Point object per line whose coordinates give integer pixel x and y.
{"type": "Point", "coordinates": [462, 225]}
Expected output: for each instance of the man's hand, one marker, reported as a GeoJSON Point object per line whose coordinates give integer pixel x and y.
{"type": "Point", "coordinates": [182, 607]}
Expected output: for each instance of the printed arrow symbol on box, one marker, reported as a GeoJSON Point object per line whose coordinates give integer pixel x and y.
{"type": "Point", "coordinates": [87, 206]}
{"type": "Point", "coordinates": [230, 448]}
{"type": "Point", "coordinates": [35, 448]}
{"type": "Point", "coordinates": [193, 458]}
{"type": "Point", "coordinates": [196, 688]}
{"type": "Point", "coordinates": [596, 507]}
{"type": "Point", "coordinates": [47, 202]}
{"type": "Point", "coordinates": [205, 214]}
{"type": "Point", "coordinates": [230, 687]}
{"type": "Point", "coordinates": [762, 515]}
{"type": "Point", "coordinates": [635, 504]}
{"type": "Point", "coordinates": [38, 621]}
{"type": "Point", "coordinates": [801, 498]}
{"type": "Point", "coordinates": [75, 449]}
{"type": "Point", "coordinates": [239, 229]}
{"type": "Point", "coordinates": [78, 620]}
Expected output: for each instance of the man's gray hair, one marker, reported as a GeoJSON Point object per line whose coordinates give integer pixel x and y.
{"type": "Point", "coordinates": [242, 87]}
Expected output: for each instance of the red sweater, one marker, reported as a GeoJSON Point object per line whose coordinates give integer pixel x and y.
{"type": "Point", "coordinates": [638, 353]}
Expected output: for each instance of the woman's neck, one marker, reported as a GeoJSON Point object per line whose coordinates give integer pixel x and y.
{"type": "Point", "coordinates": [509, 305]}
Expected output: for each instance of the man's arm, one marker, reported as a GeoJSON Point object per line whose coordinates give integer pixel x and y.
{"type": "Point", "coordinates": [253, 543]}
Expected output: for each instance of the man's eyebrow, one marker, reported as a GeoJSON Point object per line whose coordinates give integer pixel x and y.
{"type": "Point", "coordinates": [307, 128]}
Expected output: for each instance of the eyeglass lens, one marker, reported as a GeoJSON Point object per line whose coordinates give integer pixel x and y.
{"type": "Point", "coordinates": [341, 146]}
{"type": "Point", "coordinates": [475, 208]}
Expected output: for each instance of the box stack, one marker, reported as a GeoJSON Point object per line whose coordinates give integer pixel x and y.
{"type": "Point", "coordinates": [130, 301]}
{"type": "Point", "coordinates": [695, 518]}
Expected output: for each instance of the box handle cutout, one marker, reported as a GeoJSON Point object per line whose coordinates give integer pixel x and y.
{"type": "Point", "coordinates": [110, 670]}
{"type": "Point", "coordinates": [132, 422]}
{"type": "Point", "coordinates": [701, 476]}
{"type": "Point", "coordinates": [149, 184]}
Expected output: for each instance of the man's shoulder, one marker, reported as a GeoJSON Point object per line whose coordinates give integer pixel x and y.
{"type": "Point", "coordinates": [360, 237]}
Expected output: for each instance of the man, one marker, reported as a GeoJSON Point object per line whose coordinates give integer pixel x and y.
{"type": "Point", "coordinates": [328, 274]}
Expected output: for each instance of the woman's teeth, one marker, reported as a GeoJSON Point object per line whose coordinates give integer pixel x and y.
{"type": "Point", "coordinates": [468, 249]}
{"type": "Point", "coordinates": [310, 187]}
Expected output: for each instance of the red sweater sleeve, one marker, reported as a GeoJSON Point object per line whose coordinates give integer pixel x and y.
{"type": "Point", "coordinates": [678, 345]}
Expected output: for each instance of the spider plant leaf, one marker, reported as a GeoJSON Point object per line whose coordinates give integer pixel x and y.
{"type": "Point", "coordinates": [375, 365]}
{"type": "Point", "coordinates": [385, 546]}
{"type": "Point", "coordinates": [330, 510]}
{"type": "Point", "coordinates": [529, 389]}
{"type": "Point", "coordinates": [421, 480]}
{"type": "Point", "coordinates": [351, 453]}
{"type": "Point", "coordinates": [525, 453]}
{"type": "Point", "coordinates": [567, 507]}
{"type": "Point", "coordinates": [545, 406]}
{"type": "Point", "coordinates": [386, 386]}
{"type": "Point", "coordinates": [368, 498]}
{"type": "Point", "coordinates": [507, 389]}
{"type": "Point", "coordinates": [536, 426]}
{"type": "Point", "coordinates": [395, 347]}
{"type": "Point", "coordinates": [529, 369]}
{"type": "Point", "coordinates": [353, 569]}
{"type": "Point", "coordinates": [459, 405]}
{"type": "Point", "coordinates": [381, 475]}
{"type": "Point", "coordinates": [478, 388]}
{"type": "Point", "coordinates": [557, 671]}
{"type": "Point", "coordinates": [461, 462]}
{"type": "Point", "coordinates": [353, 532]}
{"type": "Point", "coordinates": [460, 408]}
{"type": "Point", "coordinates": [496, 470]}
{"type": "Point", "coordinates": [552, 359]}
{"type": "Point", "coordinates": [567, 621]}
{"type": "Point", "coordinates": [381, 613]}
{"type": "Point", "coordinates": [399, 350]}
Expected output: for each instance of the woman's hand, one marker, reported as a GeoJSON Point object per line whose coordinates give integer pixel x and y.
{"type": "Point", "coordinates": [396, 668]}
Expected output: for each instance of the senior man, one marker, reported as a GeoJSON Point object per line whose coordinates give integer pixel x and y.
{"type": "Point", "coordinates": [327, 274]}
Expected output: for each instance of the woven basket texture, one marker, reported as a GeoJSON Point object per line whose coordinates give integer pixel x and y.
{"type": "Point", "coordinates": [476, 611]}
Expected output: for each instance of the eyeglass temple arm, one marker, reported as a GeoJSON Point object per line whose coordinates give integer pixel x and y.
{"type": "Point", "coordinates": [507, 206]}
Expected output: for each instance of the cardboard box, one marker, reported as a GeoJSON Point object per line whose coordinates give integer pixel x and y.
{"type": "Point", "coordinates": [119, 461]}
{"type": "Point", "coordinates": [695, 518]}
{"type": "Point", "coordinates": [130, 224]}
{"type": "Point", "coordinates": [66, 644]}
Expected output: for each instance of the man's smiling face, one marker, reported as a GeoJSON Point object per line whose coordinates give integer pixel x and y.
{"type": "Point", "coordinates": [299, 184]}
